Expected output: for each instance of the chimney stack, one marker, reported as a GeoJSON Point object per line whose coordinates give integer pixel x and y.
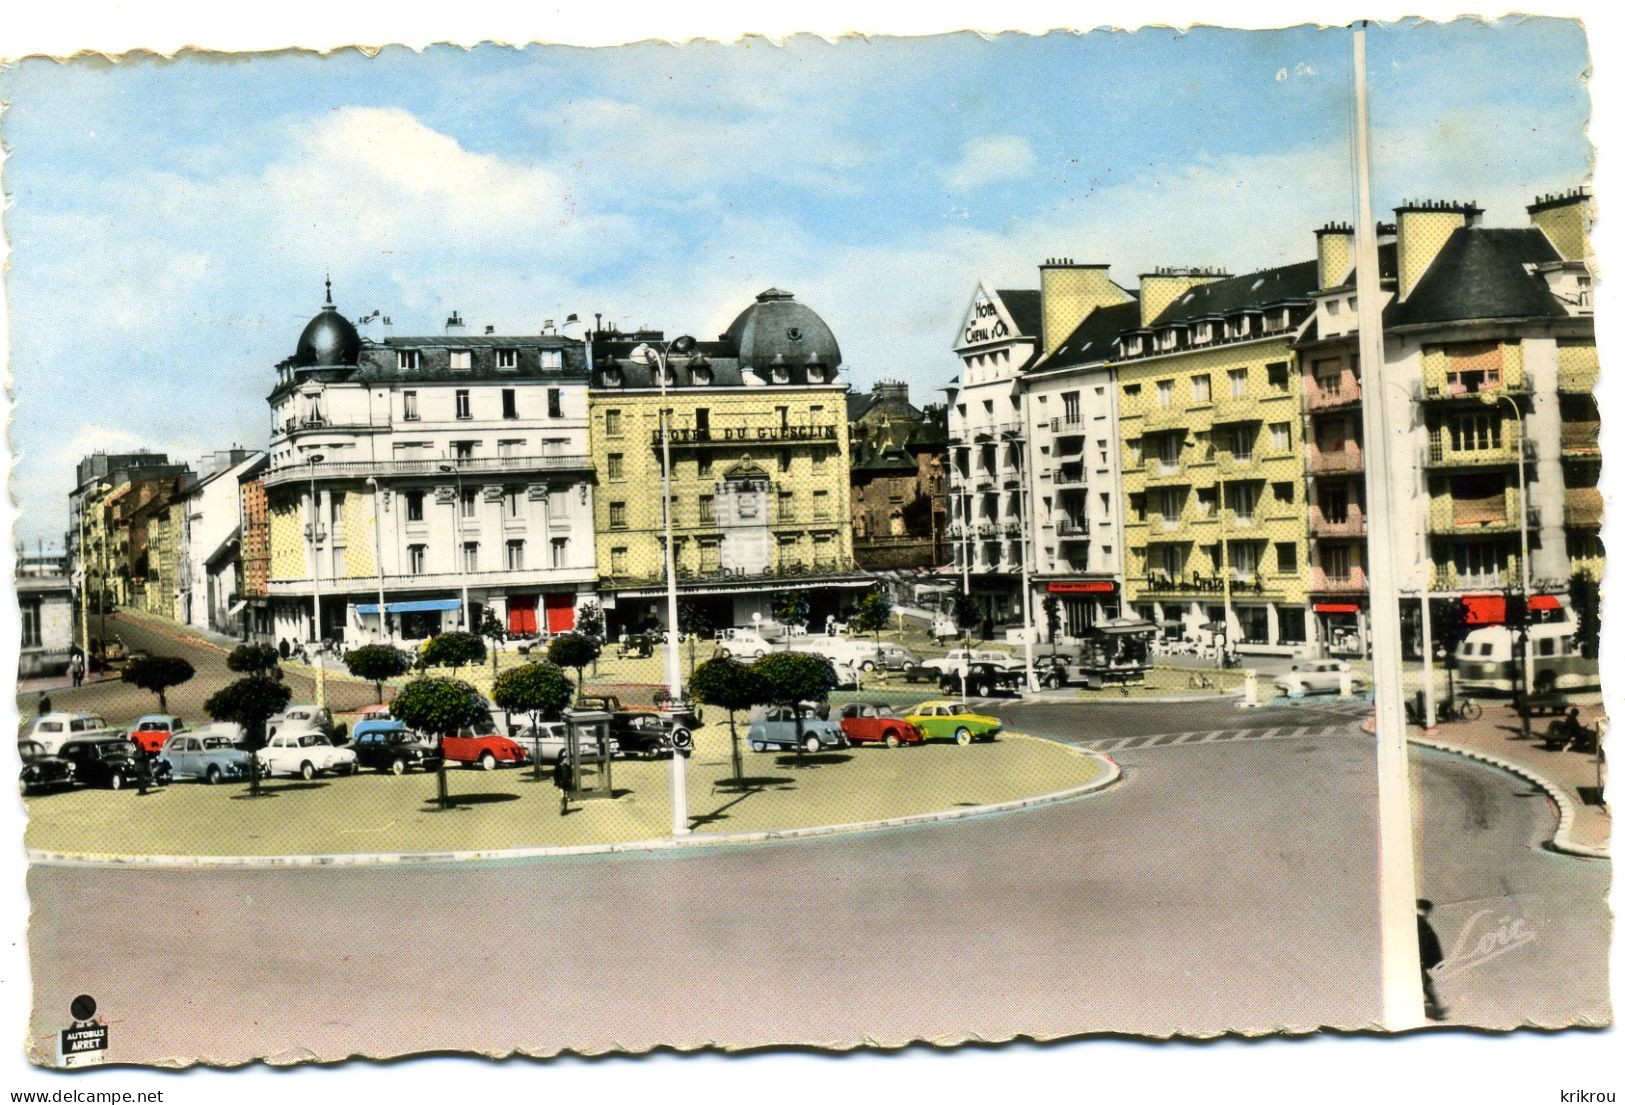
{"type": "Point", "coordinates": [1334, 248]}
{"type": "Point", "coordinates": [1566, 220]}
{"type": "Point", "coordinates": [1162, 286]}
{"type": "Point", "coordinates": [454, 324]}
{"type": "Point", "coordinates": [1068, 293]}
{"type": "Point", "coordinates": [1422, 229]}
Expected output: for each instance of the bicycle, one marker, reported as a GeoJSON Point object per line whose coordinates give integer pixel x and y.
{"type": "Point", "coordinates": [1466, 710]}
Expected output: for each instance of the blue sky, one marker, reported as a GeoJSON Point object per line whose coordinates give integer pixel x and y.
{"type": "Point", "coordinates": [171, 221]}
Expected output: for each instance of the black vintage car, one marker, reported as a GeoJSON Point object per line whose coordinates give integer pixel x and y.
{"type": "Point", "coordinates": [645, 733]}
{"type": "Point", "coordinates": [393, 748]}
{"type": "Point", "coordinates": [113, 762]}
{"type": "Point", "coordinates": [41, 770]}
{"type": "Point", "coordinates": [983, 680]}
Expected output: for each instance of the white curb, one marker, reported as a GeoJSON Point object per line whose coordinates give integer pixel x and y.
{"type": "Point", "coordinates": [700, 840]}
{"type": "Point", "coordinates": [1561, 840]}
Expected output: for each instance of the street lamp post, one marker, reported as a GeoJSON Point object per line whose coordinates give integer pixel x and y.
{"type": "Point", "coordinates": [378, 557]}
{"type": "Point", "coordinates": [315, 534]}
{"type": "Point", "coordinates": [457, 529]}
{"type": "Point", "coordinates": [1018, 440]}
{"type": "Point", "coordinates": [656, 355]}
{"type": "Point", "coordinates": [964, 566]}
{"type": "Point", "coordinates": [1523, 550]}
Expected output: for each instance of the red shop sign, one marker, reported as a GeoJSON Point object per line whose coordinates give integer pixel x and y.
{"type": "Point", "coordinates": [1082, 587]}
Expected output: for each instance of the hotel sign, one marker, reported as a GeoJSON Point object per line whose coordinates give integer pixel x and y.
{"type": "Point", "coordinates": [985, 323]}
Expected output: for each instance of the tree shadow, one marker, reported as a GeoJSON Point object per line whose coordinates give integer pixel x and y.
{"type": "Point", "coordinates": [462, 801]}
{"type": "Point", "coordinates": [812, 759]}
{"type": "Point", "coordinates": [758, 782]}
{"type": "Point", "coordinates": [271, 790]}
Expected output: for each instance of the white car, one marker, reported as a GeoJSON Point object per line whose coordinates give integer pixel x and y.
{"type": "Point", "coordinates": [54, 729]}
{"type": "Point", "coordinates": [304, 715]}
{"type": "Point", "coordinates": [745, 644]}
{"type": "Point", "coordinates": [1318, 677]}
{"type": "Point", "coordinates": [548, 741]}
{"type": "Point", "coordinates": [304, 753]}
{"type": "Point", "coordinates": [950, 663]}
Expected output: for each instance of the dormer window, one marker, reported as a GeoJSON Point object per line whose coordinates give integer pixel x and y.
{"type": "Point", "coordinates": [701, 376]}
{"type": "Point", "coordinates": [1204, 331]}
{"type": "Point", "coordinates": [781, 374]}
{"type": "Point", "coordinates": [407, 360]}
{"type": "Point", "coordinates": [552, 359]}
{"type": "Point", "coordinates": [668, 376]}
{"type": "Point", "coordinates": [1131, 346]}
{"type": "Point", "coordinates": [815, 374]}
{"type": "Point", "coordinates": [508, 360]}
{"type": "Point", "coordinates": [462, 360]}
{"type": "Point", "coordinates": [612, 377]}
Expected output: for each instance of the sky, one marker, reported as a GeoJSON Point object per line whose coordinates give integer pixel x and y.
{"type": "Point", "coordinates": [171, 221]}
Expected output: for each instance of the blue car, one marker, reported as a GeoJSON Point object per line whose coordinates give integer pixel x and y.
{"type": "Point", "coordinates": [211, 757]}
{"type": "Point", "coordinates": [776, 727]}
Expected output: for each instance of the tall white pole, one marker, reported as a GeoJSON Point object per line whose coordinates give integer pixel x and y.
{"type": "Point", "coordinates": [1401, 960]}
{"type": "Point", "coordinates": [1523, 536]}
{"type": "Point", "coordinates": [1020, 443]}
{"type": "Point", "coordinates": [316, 586]}
{"type": "Point", "coordinates": [964, 567]}
{"type": "Point", "coordinates": [378, 557]}
{"type": "Point", "coordinates": [84, 582]}
{"type": "Point", "coordinates": [674, 671]}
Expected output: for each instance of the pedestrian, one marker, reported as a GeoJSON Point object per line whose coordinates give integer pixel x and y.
{"type": "Point", "coordinates": [44, 704]}
{"type": "Point", "coordinates": [282, 648]}
{"type": "Point", "coordinates": [76, 667]}
{"type": "Point", "coordinates": [829, 625]}
{"type": "Point", "coordinates": [1432, 955]}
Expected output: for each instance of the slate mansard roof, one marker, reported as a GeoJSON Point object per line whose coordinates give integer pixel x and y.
{"type": "Point", "coordinates": [1483, 273]}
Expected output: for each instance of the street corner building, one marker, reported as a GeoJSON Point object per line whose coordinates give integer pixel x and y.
{"type": "Point", "coordinates": [1192, 451]}
{"type": "Point", "coordinates": [448, 474]}
{"type": "Point", "coordinates": [755, 426]}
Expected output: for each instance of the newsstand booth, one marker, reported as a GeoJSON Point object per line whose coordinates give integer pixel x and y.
{"type": "Point", "coordinates": [1117, 650]}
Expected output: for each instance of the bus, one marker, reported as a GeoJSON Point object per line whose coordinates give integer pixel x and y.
{"type": "Point", "coordinates": [1486, 660]}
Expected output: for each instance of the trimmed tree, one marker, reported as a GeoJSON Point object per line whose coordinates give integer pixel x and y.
{"type": "Point", "coordinates": [157, 674]}
{"type": "Point", "coordinates": [250, 702]}
{"type": "Point", "coordinates": [1052, 619]}
{"type": "Point", "coordinates": [725, 682]}
{"type": "Point", "coordinates": [693, 620]}
{"type": "Point", "coordinates": [440, 707]}
{"type": "Point", "coordinates": [791, 607]}
{"type": "Point", "coordinates": [452, 650]}
{"type": "Point", "coordinates": [538, 690]}
{"type": "Point", "coordinates": [492, 630]}
{"type": "Point", "coordinates": [791, 678]}
{"type": "Point", "coordinates": [874, 611]}
{"type": "Point", "coordinates": [376, 663]}
{"type": "Point", "coordinates": [255, 659]}
{"type": "Point", "coordinates": [590, 624]}
{"type": "Point", "coordinates": [572, 650]}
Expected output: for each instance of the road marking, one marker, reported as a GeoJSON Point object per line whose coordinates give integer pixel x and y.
{"type": "Point", "coordinates": [1218, 736]}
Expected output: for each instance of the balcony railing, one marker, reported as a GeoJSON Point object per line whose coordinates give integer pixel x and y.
{"type": "Point", "coordinates": [1350, 458]}
{"type": "Point", "coordinates": [1441, 454]}
{"type": "Point", "coordinates": [474, 466]}
{"type": "Point", "coordinates": [1580, 439]}
{"type": "Point", "coordinates": [1072, 528]}
{"type": "Point", "coordinates": [1157, 469]}
{"type": "Point", "coordinates": [1351, 524]}
{"type": "Point", "coordinates": [1582, 507]}
{"type": "Point", "coordinates": [1163, 418]}
{"type": "Point", "coordinates": [1340, 391]}
{"type": "Point", "coordinates": [1447, 524]}
{"type": "Point", "coordinates": [313, 423]}
{"type": "Point", "coordinates": [1236, 464]}
{"type": "Point", "coordinates": [1241, 583]}
{"type": "Point", "coordinates": [1352, 580]}
{"type": "Point", "coordinates": [1447, 391]}
{"type": "Point", "coordinates": [748, 435]}
{"type": "Point", "coordinates": [1067, 426]}
{"type": "Point", "coordinates": [1071, 477]}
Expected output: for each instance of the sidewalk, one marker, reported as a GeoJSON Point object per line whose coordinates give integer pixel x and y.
{"type": "Point", "coordinates": [1498, 736]}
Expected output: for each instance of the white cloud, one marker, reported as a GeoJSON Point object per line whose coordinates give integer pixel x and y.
{"type": "Point", "coordinates": [988, 160]}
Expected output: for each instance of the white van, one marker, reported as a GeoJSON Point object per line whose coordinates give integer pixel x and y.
{"type": "Point", "coordinates": [1485, 660]}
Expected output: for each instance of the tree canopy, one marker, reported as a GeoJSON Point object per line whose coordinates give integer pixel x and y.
{"type": "Point", "coordinates": [791, 678]}
{"type": "Point", "coordinates": [590, 622]}
{"type": "Point", "coordinates": [249, 702]}
{"type": "Point", "coordinates": [573, 650]}
{"type": "Point", "coordinates": [376, 663]}
{"type": "Point", "coordinates": [438, 706]}
{"type": "Point", "coordinates": [725, 682]}
{"type": "Point", "coordinates": [253, 659]}
{"type": "Point", "coordinates": [874, 610]}
{"type": "Point", "coordinates": [452, 650]}
{"type": "Point", "coordinates": [157, 674]}
{"type": "Point", "coordinates": [791, 607]}
{"type": "Point", "coordinates": [538, 689]}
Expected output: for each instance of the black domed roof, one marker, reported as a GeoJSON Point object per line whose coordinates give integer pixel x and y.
{"type": "Point", "coordinates": [778, 330]}
{"type": "Point", "coordinates": [329, 338]}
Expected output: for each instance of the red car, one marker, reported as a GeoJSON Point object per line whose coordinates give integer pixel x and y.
{"type": "Point", "coordinates": [878, 723]}
{"type": "Point", "coordinates": [482, 745]}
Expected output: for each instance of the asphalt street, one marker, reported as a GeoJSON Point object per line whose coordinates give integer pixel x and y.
{"type": "Point", "coordinates": [1222, 885]}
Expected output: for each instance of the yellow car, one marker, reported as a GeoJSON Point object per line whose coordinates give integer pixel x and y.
{"type": "Point", "coordinates": [946, 719]}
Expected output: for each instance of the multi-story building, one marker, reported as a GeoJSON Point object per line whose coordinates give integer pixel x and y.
{"type": "Point", "coordinates": [899, 479]}
{"type": "Point", "coordinates": [997, 338]}
{"type": "Point", "coordinates": [1491, 354]}
{"type": "Point", "coordinates": [97, 476]}
{"type": "Point", "coordinates": [1073, 451]}
{"type": "Point", "coordinates": [254, 563]}
{"type": "Point", "coordinates": [449, 472]}
{"type": "Point", "coordinates": [49, 617]}
{"type": "Point", "coordinates": [1213, 476]}
{"type": "Point", "coordinates": [759, 469]}
{"type": "Point", "coordinates": [211, 541]}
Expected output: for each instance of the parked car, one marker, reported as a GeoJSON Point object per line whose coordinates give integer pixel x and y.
{"type": "Point", "coordinates": [746, 644]}
{"type": "Point", "coordinates": [1318, 677]}
{"type": "Point", "coordinates": [152, 731]}
{"type": "Point", "coordinates": [982, 679]}
{"type": "Point", "coordinates": [894, 657]}
{"type": "Point", "coordinates": [112, 762]}
{"type": "Point", "coordinates": [304, 715]}
{"type": "Point", "coordinates": [209, 756]}
{"type": "Point", "coordinates": [549, 741]}
{"type": "Point", "coordinates": [778, 728]}
{"type": "Point", "coordinates": [304, 752]}
{"type": "Point", "coordinates": [483, 745]}
{"type": "Point", "coordinates": [949, 720]}
{"type": "Point", "coordinates": [53, 729]}
{"type": "Point", "coordinates": [690, 715]}
{"type": "Point", "coordinates": [877, 723]}
{"type": "Point", "coordinates": [646, 733]}
{"type": "Point", "coordinates": [41, 770]}
{"type": "Point", "coordinates": [956, 656]}
{"type": "Point", "coordinates": [388, 745]}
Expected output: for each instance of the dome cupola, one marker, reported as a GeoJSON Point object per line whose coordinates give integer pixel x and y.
{"type": "Point", "coordinates": [777, 331]}
{"type": "Point", "coordinates": [329, 339]}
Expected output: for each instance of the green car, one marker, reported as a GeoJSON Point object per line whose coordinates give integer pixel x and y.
{"type": "Point", "coordinates": [948, 720]}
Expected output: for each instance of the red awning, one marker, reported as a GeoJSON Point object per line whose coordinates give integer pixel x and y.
{"type": "Point", "coordinates": [1485, 609]}
{"type": "Point", "coordinates": [1544, 602]}
{"type": "Point", "coordinates": [1337, 608]}
{"type": "Point", "coordinates": [1082, 587]}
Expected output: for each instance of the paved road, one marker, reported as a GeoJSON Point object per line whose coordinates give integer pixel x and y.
{"type": "Point", "coordinates": [1223, 885]}
{"type": "Point", "coordinates": [120, 702]}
